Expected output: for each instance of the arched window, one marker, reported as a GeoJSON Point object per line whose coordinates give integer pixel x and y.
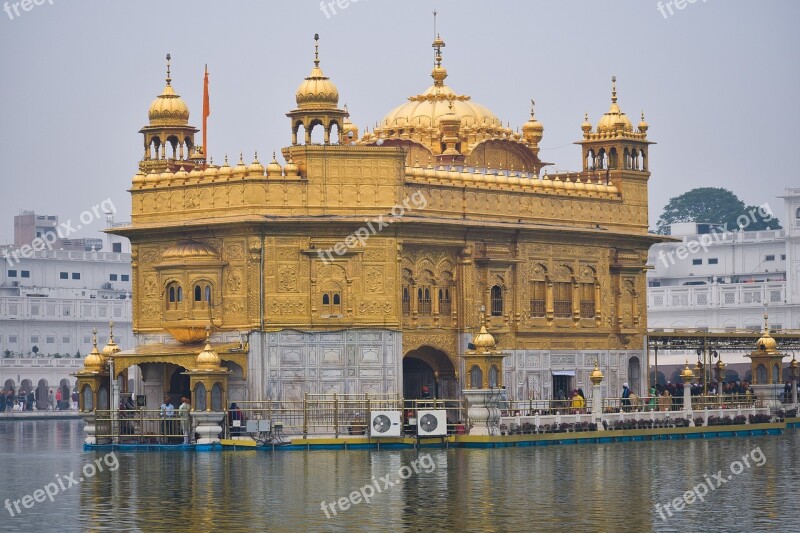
{"type": "Point", "coordinates": [332, 301]}
{"type": "Point", "coordinates": [634, 374]}
{"type": "Point", "coordinates": [497, 301]}
{"type": "Point", "coordinates": [445, 307]}
{"type": "Point", "coordinates": [208, 294]}
{"type": "Point", "coordinates": [406, 301]}
{"type": "Point", "coordinates": [424, 301]}
{"type": "Point", "coordinates": [198, 293]}
{"type": "Point", "coordinates": [202, 295]}
{"type": "Point", "coordinates": [174, 296]}
{"type": "Point", "coordinates": [761, 375]}
{"type": "Point", "coordinates": [587, 300]}
{"type": "Point", "coordinates": [776, 374]}
{"type": "Point", "coordinates": [562, 299]}
{"type": "Point", "coordinates": [493, 377]}
{"type": "Point", "coordinates": [475, 377]}
{"type": "Point", "coordinates": [538, 299]}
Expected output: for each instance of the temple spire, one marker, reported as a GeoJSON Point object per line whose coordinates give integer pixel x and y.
{"type": "Point", "coordinates": [613, 89]}
{"type": "Point", "coordinates": [169, 77]}
{"type": "Point", "coordinates": [316, 49]}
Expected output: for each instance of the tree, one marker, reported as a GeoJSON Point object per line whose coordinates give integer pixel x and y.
{"type": "Point", "coordinates": [717, 206]}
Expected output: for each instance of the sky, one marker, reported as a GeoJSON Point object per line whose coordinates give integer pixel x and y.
{"type": "Point", "coordinates": [718, 81]}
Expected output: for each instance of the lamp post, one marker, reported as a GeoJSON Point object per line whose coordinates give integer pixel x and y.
{"type": "Point", "coordinates": [719, 370]}
{"type": "Point", "coordinates": [794, 371]}
{"type": "Point", "coordinates": [686, 376]}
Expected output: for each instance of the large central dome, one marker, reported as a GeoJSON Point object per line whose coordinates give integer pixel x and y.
{"type": "Point", "coordinates": [426, 109]}
{"type": "Point", "coordinates": [442, 124]}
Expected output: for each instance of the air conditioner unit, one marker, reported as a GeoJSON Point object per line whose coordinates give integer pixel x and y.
{"type": "Point", "coordinates": [385, 424]}
{"type": "Point", "coordinates": [432, 423]}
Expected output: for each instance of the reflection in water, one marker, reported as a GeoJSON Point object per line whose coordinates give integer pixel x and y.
{"type": "Point", "coordinates": [583, 487]}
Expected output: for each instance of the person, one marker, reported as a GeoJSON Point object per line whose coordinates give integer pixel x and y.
{"type": "Point", "coordinates": [167, 412]}
{"type": "Point", "coordinates": [186, 424]}
{"type": "Point", "coordinates": [665, 401]}
{"type": "Point", "coordinates": [2, 401]}
{"type": "Point", "coordinates": [29, 400]}
{"type": "Point", "coordinates": [235, 419]}
{"type": "Point", "coordinates": [58, 399]}
{"type": "Point", "coordinates": [75, 400]}
{"type": "Point", "coordinates": [651, 403]}
{"type": "Point", "coordinates": [426, 393]}
{"type": "Point", "coordinates": [51, 401]}
{"type": "Point", "coordinates": [578, 402]}
{"type": "Point", "coordinates": [626, 394]}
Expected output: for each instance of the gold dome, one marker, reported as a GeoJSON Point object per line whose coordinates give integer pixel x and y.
{"type": "Point", "coordinates": [139, 178]}
{"type": "Point", "coordinates": [766, 343]}
{"type": "Point", "coordinates": [274, 168]}
{"type": "Point", "coordinates": [686, 374]}
{"type": "Point", "coordinates": [597, 375]}
{"type": "Point", "coordinates": [189, 249]}
{"type": "Point", "coordinates": [111, 347]}
{"type": "Point", "coordinates": [291, 168]}
{"type": "Point", "coordinates": [532, 130]}
{"type": "Point", "coordinates": [95, 361]}
{"type": "Point", "coordinates": [614, 120]}
{"type": "Point", "coordinates": [317, 91]}
{"type": "Point", "coordinates": [256, 168]}
{"type": "Point", "coordinates": [484, 340]}
{"type": "Point", "coordinates": [240, 170]}
{"type": "Point", "coordinates": [347, 128]}
{"type": "Point", "coordinates": [168, 109]}
{"type": "Point", "coordinates": [423, 112]}
{"type": "Point", "coordinates": [225, 170]}
{"type": "Point", "coordinates": [643, 126]}
{"type": "Point", "coordinates": [586, 126]}
{"type": "Point", "coordinates": [208, 359]}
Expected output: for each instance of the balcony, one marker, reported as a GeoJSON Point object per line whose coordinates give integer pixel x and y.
{"type": "Point", "coordinates": [716, 296]}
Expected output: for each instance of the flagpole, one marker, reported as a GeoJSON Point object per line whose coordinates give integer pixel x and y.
{"type": "Point", "coordinates": [206, 112]}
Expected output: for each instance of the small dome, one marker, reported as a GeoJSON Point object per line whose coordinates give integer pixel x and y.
{"type": "Point", "coordinates": [139, 177]}
{"type": "Point", "coordinates": [643, 126]}
{"type": "Point", "coordinates": [597, 375]}
{"type": "Point", "coordinates": [211, 172]}
{"type": "Point", "coordinates": [111, 347]}
{"type": "Point", "coordinates": [181, 175]}
{"type": "Point", "coordinates": [168, 109]}
{"type": "Point", "coordinates": [686, 374]}
{"type": "Point", "coordinates": [256, 168]}
{"type": "Point", "coordinates": [208, 359]}
{"type": "Point", "coordinates": [291, 168]}
{"type": "Point", "coordinates": [766, 343]}
{"type": "Point", "coordinates": [95, 360]}
{"type": "Point", "coordinates": [152, 177]}
{"type": "Point", "coordinates": [189, 248]}
{"type": "Point", "coordinates": [241, 169]}
{"type": "Point", "coordinates": [225, 170]}
{"type": "Point", "coordinates": [196, 172]}
{"type": "Point", "coordinates": [165, 176]}
{"type": "Point", "coordinates": [274, 168]}
{"type": "Point", "coordinates": [586, 126]}
{"type": "Point", "coordinates": [484, 340]}
{"type": "Point", "coordinates": [317, 91]}
{"type": "Point", "coordinates": [614, 120]}
{"type": "Point", "coordinates": [349, 130]}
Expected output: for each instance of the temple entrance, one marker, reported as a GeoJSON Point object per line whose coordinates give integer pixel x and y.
{"type": "Point", "coordinates": [179, 386]}
{"type": "Point", "coordinates": [431, 368]}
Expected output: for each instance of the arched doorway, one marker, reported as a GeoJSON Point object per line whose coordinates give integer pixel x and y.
{"type": "Point", "coordinates": [179, 385]}
{"type": "Point", "coordinates": [429, 367]}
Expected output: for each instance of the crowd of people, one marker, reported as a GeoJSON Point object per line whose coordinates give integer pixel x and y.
{"type": "Point", "coordinates": [11, 401]}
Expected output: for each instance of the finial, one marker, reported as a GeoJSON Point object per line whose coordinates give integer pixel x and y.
{"type": "Point", "coordinates": [273, 156]}
{"type": "Point", "coordinates": [94, 338]}
{"type": "Point", "coordinates": [586, 117]}
{"type": "Point", "coordinates": [533, 105]}
{"type": "Point", "coordinates": [241, 158]}
{"type": "Point", "coordinates": [613, 89]}
{"type": "Point", "coordinates": [169, 78]}
{"type": "Point", "coordinates": [642, 115]}
{"type": "Point", "coordinates": [111, 331]}
{"type": "Point", "coordinates": [316, 49]}
{"type": "Point", "coordinates": [211, 161]}
{"type": "Point", "coordinates": [256, 155]}
{"type": "Point", "coordinates": [226, 159]}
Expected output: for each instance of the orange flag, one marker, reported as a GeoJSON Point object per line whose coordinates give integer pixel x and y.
{"type": "Point", "coordinates": [206, 112]}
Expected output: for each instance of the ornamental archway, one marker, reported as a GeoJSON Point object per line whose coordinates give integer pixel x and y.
{"type": "Point", "coordinates": [428, 367]}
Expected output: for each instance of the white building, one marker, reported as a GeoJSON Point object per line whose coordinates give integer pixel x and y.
{"type": "Point", "coordinates": [51, 300]}
{"type": "Point", "coordinates": [718, 280]}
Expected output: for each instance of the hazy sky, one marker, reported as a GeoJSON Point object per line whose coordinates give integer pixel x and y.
{"type": "Point", "coordinates": [718, 81]}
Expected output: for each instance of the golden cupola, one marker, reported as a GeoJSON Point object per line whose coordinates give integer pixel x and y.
{"type": "Point", "coordinates": [317, 100]}
{"type": "Point", "coordinates": [533, 130]}
{"type": "Point", "coordinates": [418, 126]}
{"type": "Point", "coordinates": [614, 121]}
{"type": "Point", "coordinates": [349, 130]}
{"type": "Point", "coordinates": [111, 348]}
{"type": "Point", "coordinates": [168, 137]}
{"type": "Point", "coordinates": [94, 361]}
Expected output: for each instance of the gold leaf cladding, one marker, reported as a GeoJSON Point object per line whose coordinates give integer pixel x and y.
{"type": "Point", "coordinates": [375, 307]}
{"type": "Point", "coordinates": [234, 281]}
{"type": "Point", "coordinates": [374, 280]}
{"type": "Point", "coordinates": [150, 256]}
{"type": "Point", "coordinates": [234, 252]}
{"type": "Point", "coordinates": [445, 342]}
{"type": "Point", "coordinates": [150, 287]}
{"type": "Point", "coordinates": [287, 279]}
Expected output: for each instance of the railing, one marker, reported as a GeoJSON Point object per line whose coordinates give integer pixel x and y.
{"type": "Point", "coordinates": [316, 414]}
{"type": "Point", "coordinates": [537, 308]}
{"type": "Point", "coordinates": [710, 296]}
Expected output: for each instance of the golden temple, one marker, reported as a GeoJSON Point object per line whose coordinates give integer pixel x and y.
{"type": "Point", "coordinates": [362, 264]}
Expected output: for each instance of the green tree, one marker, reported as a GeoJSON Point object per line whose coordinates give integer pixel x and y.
{"type": "Point", "coordinates": [718, 206]}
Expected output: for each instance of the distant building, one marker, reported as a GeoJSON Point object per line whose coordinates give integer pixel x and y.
{"type": "Point", "coordinates": [721, 281]}
{"type": "Point", "coordinates": [51, 300]}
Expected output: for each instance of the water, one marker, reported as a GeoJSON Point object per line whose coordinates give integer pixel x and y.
{"type": "Point", "coordinates": [610, 487]}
